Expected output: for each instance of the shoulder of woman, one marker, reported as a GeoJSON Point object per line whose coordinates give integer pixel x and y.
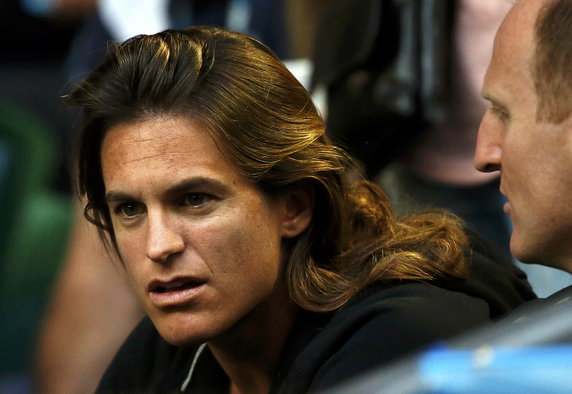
{"type": "Point", "coordinates": [419, 304]}
{"type": "Point", "coordinates": [383, 324]}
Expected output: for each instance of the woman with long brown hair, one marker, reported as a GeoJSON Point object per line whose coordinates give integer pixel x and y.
{"type": "Point", "coordinates": [262, 257]}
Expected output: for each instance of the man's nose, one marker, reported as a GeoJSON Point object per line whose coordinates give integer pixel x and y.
{"type": "Point", "coordinates": [488, 152]}
{"type": "Point", "coordinates": [163, 238]}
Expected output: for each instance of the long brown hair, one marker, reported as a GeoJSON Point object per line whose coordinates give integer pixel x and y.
{"type": "Point", "coordinates": [265, 122]}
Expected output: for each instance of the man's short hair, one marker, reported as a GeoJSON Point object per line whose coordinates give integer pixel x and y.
{"type": "Point", "coordinates": [552, 61]}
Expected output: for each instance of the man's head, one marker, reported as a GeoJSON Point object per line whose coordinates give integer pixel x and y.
{"type": "Point", "coordinates": [526, 133]}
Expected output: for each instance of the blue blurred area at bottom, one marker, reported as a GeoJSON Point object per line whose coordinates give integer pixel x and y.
{"type": "Point", "coordinates": [532, 370]}
{"type": "Point", "coordinates": [529, 351]}
{"type": "Point", "coordinates": [543, 369]}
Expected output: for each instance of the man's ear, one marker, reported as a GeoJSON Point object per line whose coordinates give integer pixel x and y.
{"type": "Point", "coordinates": [298, 207]}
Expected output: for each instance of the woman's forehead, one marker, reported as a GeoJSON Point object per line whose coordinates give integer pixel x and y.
{"type": "Point", "coordinates": [170, 142]}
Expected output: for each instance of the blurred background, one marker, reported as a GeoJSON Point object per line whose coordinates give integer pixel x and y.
{"type": "Point", "coordinates": [397, 80]}
{"type": "Point", "coordinates": [35, 191]}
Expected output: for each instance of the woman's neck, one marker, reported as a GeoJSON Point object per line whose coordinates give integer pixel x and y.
{"type": "Point", "coordinates": [249, 352]}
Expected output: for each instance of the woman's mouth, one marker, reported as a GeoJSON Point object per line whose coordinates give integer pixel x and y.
{"type": "Point", "coordinates": [174, 292]}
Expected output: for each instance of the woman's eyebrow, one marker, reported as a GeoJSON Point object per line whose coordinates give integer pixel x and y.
{"type": "Point", "coordinates": [192, 183]}
{"type": "Point", "coordinates": [114, 196]}
{"type": "Point", "coordinates": [179, 187]}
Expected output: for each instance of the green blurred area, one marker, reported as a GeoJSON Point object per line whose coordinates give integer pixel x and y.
{"type": "Point", "coordinates": [35, 222]}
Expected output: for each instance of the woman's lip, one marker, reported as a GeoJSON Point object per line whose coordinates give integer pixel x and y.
{"type": "Point", "coordinates": [175, 291]}
{"type": "Point", "coordinates": [166, 285]}
{"type": "Point", "coordinates": [176, 296]}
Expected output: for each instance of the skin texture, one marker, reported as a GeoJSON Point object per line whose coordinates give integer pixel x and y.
{"type": "Point", "coordinates": [180, 209]}
{"type": "Point", "coordinates": [533, 157]}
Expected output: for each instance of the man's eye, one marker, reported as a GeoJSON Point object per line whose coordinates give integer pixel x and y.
{"type": "Point", "coordinates": [196, 199]}
{"type": "Point", "coordinates": [129, 209]}
{"type": "Point", "coordinates": [500, 113]}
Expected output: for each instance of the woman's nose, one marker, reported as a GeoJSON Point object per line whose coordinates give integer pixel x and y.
{"type": "Point", "coordinates": [163, 239]}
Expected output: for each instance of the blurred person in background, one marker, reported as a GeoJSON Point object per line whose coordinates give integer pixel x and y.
{"type": "Point", "coordinates": [34, 178]}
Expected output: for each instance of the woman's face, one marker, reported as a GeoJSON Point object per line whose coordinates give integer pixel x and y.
{"type": "Point", "coordinates": [200, 242]}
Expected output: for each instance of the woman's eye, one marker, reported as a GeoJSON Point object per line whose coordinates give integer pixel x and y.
{"type": "Point", "coordinates": [129, 209]}
{"type": "Point", "coordinates": [196, 199]}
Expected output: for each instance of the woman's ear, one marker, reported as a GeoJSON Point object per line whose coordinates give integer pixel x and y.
{"type": "Point", "coordinates": [298, 207]}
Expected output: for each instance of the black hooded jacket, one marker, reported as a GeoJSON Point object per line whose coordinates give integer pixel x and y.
{"type": "Point", "coordinates": [382, 323]}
